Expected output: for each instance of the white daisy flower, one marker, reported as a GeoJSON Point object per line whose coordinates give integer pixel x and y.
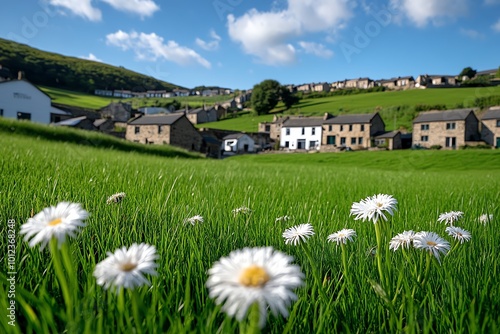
{"type": "Point", "coordinates": [485, 218]}
{"type": "Point", "coordinates": [65, 219]}
{"type": "Point", "coordinates": [194, 220]}
{"type": "Point", "coordinates": [126, 267]}
{"type": "Point", "coordinates": [342, 236]}
{"type": "Point", "coordinates": [402, 240]}
{"type": "Point", "coordinates": [459, 233]}
{"type": "Point", "coordinates": [297, 234]}
{"type": "Point", "coordinates": [431, 242]}
{"type": "Point", "coordinates": [450, 217]}
{"type": "Point", "coordinates": [116, 198]}
{"type": "Point", "coordinates": [242, 210]}
{"type": "Point", "coordinates": [373, 208]}
{"type": "Point", "coordinates": [259, 275]}
{"type": "Point", "coordinates": [283, 218]}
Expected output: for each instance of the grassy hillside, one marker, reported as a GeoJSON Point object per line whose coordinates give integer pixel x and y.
{"type": "Point", "coordinates": [55, 70]}
{"type": "Point", "coordinates": [10, 127]}
{"type": "Point", "coordinates": [343, 290]}
{"type": "Point", "coordinates": [397, 108]}
{"type": "Point", "coordinates": [90, 101]}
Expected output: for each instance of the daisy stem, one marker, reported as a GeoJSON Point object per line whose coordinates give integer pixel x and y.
{"type": "Point", "coordinates": [378, 255]}
{"type": "Point", "coordinates": [63, 281]}
{"type": "Point", "coordinates": [455, 246]}
{"type": "Point", "coordinates": [317, 278]}
{"type": "Point", "coordinates": [344, 262]}
{"type": "Point", "coordinates": [135, 310]}
{"type": "Point", "coordinates": [253, 320]}
{"type": "Point", "coordinates": [427, 268]}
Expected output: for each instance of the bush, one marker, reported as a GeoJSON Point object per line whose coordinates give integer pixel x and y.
{"type": "Point", "coordinates": [436, 147]}
{"type": "Point", "coordinates": [480, 147]}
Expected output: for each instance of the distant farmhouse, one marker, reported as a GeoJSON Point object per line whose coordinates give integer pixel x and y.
{"type": "Point", "coordinates": [22, 100]}
{"type": "Point", "coordinates": [173, 129]}
{"type": "Point", "coordinates": [447, 129]}
{"type": "Point", "coordinates": [490, 126]}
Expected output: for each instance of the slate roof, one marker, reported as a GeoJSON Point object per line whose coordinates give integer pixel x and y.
{"type": "Point", "coordinates": [390, 134]}
{"type": "Point", "coordinates": [71, 121]}
{"type": "Point", "coordinates": [234, 136]}
{"type": "Point", "coordinates": [303, 122]}
{"type": "Point", "coordinates": [99, 122]}
{"type": "Point", "coordinates": [351, 119]}
{"type": "Point", "coordinates": [492, 113]}
{"type": "Point", "coordinates": [442, 116]}
{"type": "Point", "coordinates": [168, 119]}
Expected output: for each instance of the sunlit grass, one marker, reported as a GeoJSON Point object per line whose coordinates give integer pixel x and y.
{"type": "Point", "coordinates": [461, 294]}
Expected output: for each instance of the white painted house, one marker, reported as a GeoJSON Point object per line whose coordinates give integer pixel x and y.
{"type": "Point", "coordinates": [22, 100]}
{"type": "Point", "coordinates": [238, 143]}
{"type": "Point", "coordinates": [302, 133]}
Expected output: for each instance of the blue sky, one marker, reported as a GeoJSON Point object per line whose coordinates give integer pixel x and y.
{"type": "Point", "coordinates": [236, 43]}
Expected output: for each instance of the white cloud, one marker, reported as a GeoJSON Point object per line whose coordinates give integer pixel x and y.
{"type": "Point", "coordinates": [496, 26]}
{"type": "Point", "coordinates": [212, 45]}
{"type": "Point", "coordinates": [434, 11]}
{"type": "Point", "coordinates": [471, 33]}
{"type": "Point", "coordinates": [152, 47]}
{"type": "Point", "coordinates": [267, 35]}
{"type": "Point", "coordinates": [92, 57]}
{"type": "Point", "coordinates": [316, 49]}
{"type": "Point", "coordinates": [143, 8]}
{"type": "Point", "coordinates": [81, 8]}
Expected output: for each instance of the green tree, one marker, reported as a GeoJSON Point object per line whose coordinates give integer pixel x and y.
{"type": "Point", "coordinates": [265, 96]}
{"type": "Point", "coordinates": [469, 72]}
{"type": "Point", "coordinates": [498, 72]}
{"type": "Point", "coordinates": [288, 98]}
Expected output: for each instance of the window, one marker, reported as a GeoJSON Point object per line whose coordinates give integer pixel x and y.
{"type": "Point", "coordinates": [287, 133]}
{"type": "Point", "coordinates": [330, 127]}
{"type": "Point", "coordinates": [424, 127]}
{"type": "Point", "coordinates": [160, 128]}
{"type": "Point", "coordinates": [24, 115]}
{"type": "Point", "coordinates": [353, 141]}
{"type": "Point", "coordinates": [303, 131]}
{"type": "Point", "coordinates": [330, 140]}
{"type": "Point", "coordinates": [313, 131]}
{"type": "Point", "coordinates": [350, 127]}
{"type": "Point", "coordinates": [360, 141]}
{"type": "Point", "coordinates": [362, 127]}
{"type": "Point", "coordinates": [268, 128]}
{"type": "Point", "coordinates": [137, 130]}
{"type": "Point", "coordinates": [424, 138]}
{"type": "Point", "coordinates": [342, 140]}
{"type": "Point", "coordinates": [287, 144]}
{"type": "Point", "coordinates": [341, 128]}
{"type": "Point", "coordinates": [450, 126]}
{"type": "Point", "coordinates": [451, 142]}
{"type": "Point", "coordinates": [312, 144]}
{"type": "Point", "coordinates": [498, 120]}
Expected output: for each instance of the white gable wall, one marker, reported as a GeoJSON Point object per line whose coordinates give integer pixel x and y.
{"type": "Point", "coordinates": [21, 96]}
{"type": "Point", "coordinates": [242, 144]}
{"type": "Point", "coordinates": [301, 138]}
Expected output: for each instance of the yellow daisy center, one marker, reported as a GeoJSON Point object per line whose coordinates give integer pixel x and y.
{"type": "Point", "coordinates": [55, 222]}
{"type": "Point", "coordinates": [254, 276]}
{"type": "Point", "coordinates": [431, 243]}
{"type": "Point", "coordinates": [128, 266]}
{"type": "Point", "coordinates": [380, 204]}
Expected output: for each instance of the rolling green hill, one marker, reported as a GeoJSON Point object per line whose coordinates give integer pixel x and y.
{"type": "Point", "coordinates": [55, 70]}
{"type": "Point", "coordinates": [397, 108]}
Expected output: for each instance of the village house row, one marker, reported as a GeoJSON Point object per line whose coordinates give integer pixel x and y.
{"type": "Point", "coordinates": [448, 129]}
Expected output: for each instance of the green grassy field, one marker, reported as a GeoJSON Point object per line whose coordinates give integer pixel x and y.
{"type": "Point", "coordinates": [87, 101]}
{"type": "Point", "coordinates": [395, 107]}
{"type": "Point", "coordinates": [460, 295]}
